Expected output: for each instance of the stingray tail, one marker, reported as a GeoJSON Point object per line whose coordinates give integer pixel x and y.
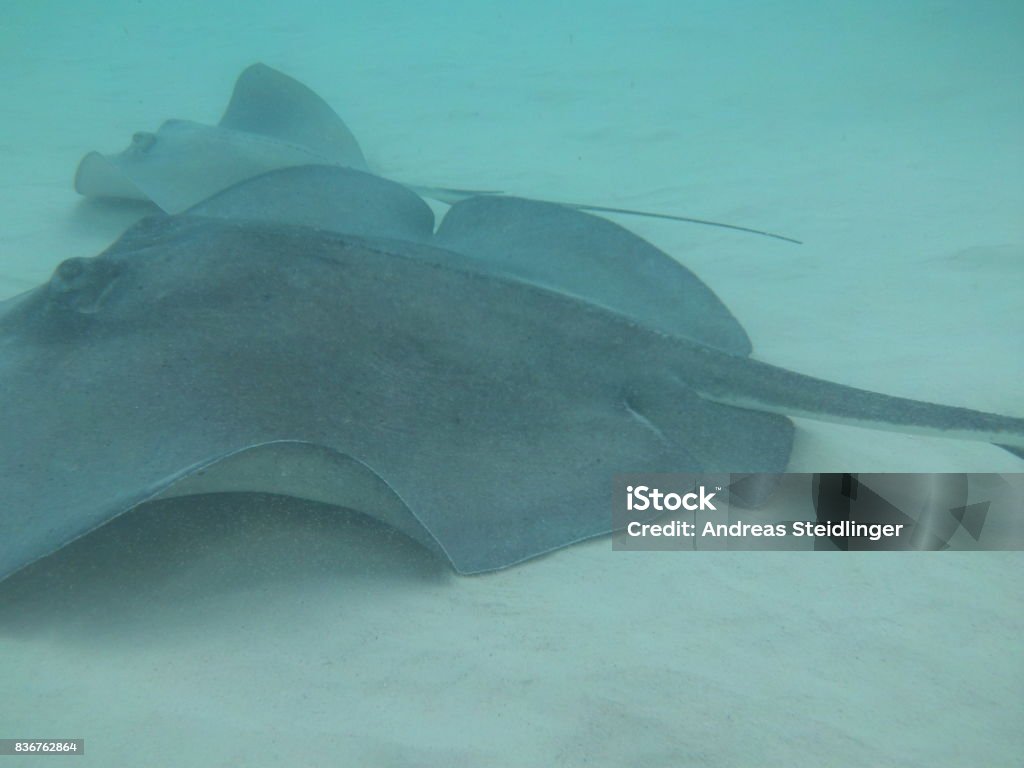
{"type": "Point", "coordinates": [673, 217]}
{"type": "Point", "coordinates": [451, 196]}
{"type": "Point", "coordinates": [762, 387]}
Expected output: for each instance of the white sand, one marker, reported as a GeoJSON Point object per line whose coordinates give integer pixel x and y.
{"type": "Point", "coordinates": [889, 140]}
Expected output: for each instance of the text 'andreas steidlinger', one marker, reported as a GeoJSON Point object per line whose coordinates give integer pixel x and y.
{"type": "Point", "coordinates": [843, 528]}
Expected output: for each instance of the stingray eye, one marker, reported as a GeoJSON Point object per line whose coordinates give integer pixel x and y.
{"type": "Point", "coordinates": [70, 270]}
{"type": "Point", "coordinates": [142, 142]}
{"type": "Point", "coordinates": [81, 284]}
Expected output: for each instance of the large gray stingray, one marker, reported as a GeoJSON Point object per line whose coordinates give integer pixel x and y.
{"type": "Point", "coordinates": [358, 359]}
{"type": "Point", "coordinates": [272, 121]}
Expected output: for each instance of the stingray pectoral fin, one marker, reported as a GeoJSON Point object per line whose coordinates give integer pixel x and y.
{"type": "Point", "coordinates": [270, 103]}
{"type": "Point", "coordinates": [306, 471]}
{"type": "Point", "coordinates": [746, 383]}
{"type": "Point", "coordinates": [97, 176]}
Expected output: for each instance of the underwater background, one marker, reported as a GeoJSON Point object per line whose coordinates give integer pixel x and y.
{"type": "Point", "coordinates": [888, 137]}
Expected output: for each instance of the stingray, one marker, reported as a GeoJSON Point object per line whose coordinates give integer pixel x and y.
{"type": "Point", "coordinates": [272, 121]}
{"type": "Point", "coordinates": [416, 379]}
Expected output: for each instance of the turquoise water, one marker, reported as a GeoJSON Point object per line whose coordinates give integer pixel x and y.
{"type": "Point", "coordinates": [887, 139]}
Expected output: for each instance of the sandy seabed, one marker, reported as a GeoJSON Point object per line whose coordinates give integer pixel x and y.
{"type": "Point", "coordinates": [889, 139]}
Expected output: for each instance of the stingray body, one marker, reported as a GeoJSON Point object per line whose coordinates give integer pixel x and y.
{"type": "Point", "coordinates": [482, 415]}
